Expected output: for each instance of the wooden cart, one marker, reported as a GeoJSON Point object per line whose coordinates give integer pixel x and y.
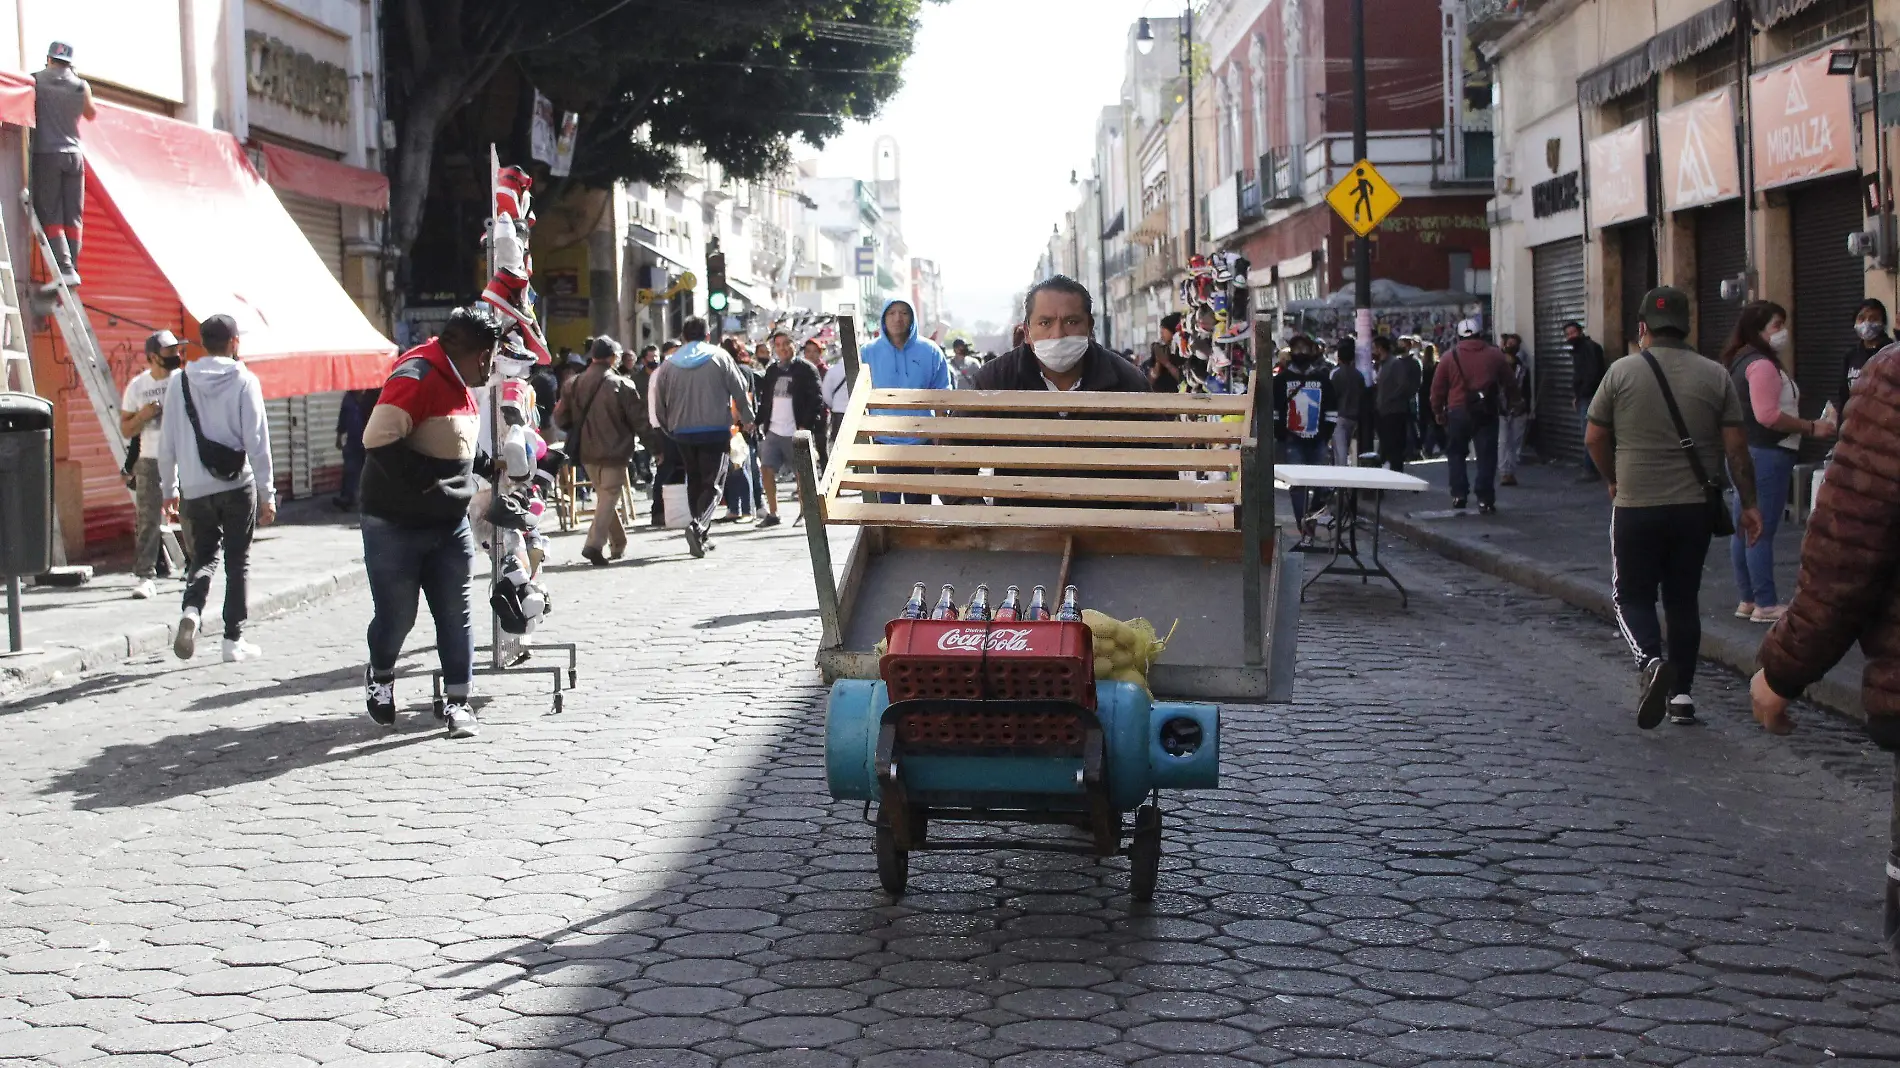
{"type": "Point", "coordinates": [1219, 575]}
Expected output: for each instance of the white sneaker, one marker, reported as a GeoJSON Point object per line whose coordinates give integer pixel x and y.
{"type": "Point", "coordinates": [239, 649]}
{"type": "Point", "coordinates": [185, 642]}
{"type": "Point", "coordinates": [461, 718]}
{"type": "Point", "coordinates": [70, 278]}
{"type": "Point", "coordinates": [145, 590]}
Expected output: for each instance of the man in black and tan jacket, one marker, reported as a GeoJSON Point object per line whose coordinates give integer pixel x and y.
{"type": "Point", "coordinates": [604, 416]}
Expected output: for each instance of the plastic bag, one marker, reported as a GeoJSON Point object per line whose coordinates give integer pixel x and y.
{"type": "Point", "coordinates": [739, 451]}
{"type": "Point", "coordinates": [1124, 651]}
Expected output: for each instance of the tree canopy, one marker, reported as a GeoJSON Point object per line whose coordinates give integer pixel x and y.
{"type": "Point", "coordinates": [737, 79]}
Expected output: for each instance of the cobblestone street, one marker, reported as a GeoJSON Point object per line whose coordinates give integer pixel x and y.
{"type": "Point", "coordinates": [1453, 848]}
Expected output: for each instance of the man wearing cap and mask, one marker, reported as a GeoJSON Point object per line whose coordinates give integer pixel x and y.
{"type": "Point", "coordinates": [61, 98]}
{"type": "Point", "coordinates": [214, 469]}
{"type": "Point", "coordinates": [604, 416]}
{"type": "Point", "coordinates": [141, 416]}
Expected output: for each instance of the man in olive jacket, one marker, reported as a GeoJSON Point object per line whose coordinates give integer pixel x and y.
{"type": "Point", "coordinates": [604, 416]}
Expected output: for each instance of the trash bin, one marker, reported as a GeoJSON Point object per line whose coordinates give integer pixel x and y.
{"type": "Point", "coordinates": [26, 485]}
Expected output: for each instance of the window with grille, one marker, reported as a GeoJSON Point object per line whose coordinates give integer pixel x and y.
{"type": "Point", "coordinates": [1715, 67]}
{"type": "Point", "coordinates": [1824, 21]}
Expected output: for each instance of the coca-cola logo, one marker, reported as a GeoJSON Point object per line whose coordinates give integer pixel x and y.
{"type": "Point", "coordinates": [976, 640]}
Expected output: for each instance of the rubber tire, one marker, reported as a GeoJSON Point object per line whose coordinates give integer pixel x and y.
{"type": "Point", "coordinates": [893, 864]}
{"type": "Point", "coordinates": [1144, 854]}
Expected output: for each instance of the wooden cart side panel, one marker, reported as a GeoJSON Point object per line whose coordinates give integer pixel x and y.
{"type": "Point", "coordinates": [971, 400]}
{"type": "Point", "coordinates": [1039, 457]}
{"type": "Point", "coordinates": [982, 515]}
{"type": "Point", "coordinates": [951, 427]}
{"type": "Point", "coordinates": [846, 445]}
{"type": "Point", "coordinates": [1012, 487]}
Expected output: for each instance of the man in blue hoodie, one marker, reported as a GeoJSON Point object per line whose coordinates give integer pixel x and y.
{"type": "Point", "coordinates": [695, 396]}
{"type": "Point", "coordinates": [899, 359]}
{"type": "Point", "coordinates": [216, 458]}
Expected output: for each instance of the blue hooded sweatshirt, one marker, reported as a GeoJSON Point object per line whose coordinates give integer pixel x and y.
{"type": "Point", "coordinates": [918, 364]}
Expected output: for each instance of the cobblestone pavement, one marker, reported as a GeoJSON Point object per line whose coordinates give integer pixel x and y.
{"type": "Point", "coordinates": [1454, 848]}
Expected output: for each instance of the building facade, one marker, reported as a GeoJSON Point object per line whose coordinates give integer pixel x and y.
{"type": "Point", "coordinates": [1730, 149]}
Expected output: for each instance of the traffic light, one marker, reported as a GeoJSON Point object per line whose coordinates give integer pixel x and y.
{"type": "Point", "coordinates": [716, 298]}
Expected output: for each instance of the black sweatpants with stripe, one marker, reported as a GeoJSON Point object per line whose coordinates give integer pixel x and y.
{"type": "Point", "coordinates": [1660, 551]}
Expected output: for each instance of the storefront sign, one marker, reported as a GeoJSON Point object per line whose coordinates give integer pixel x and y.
{"type": "Point", "coordinates": [1619, 187]}
{"type": "Point", "coordinates": [298, 80]}
{"type": "Point", "coordinates": [1560, 194]}
{"type": "Point", "coordinates": [1698, 151]}
{"type": "Point", "coordinates": [1803, 119]}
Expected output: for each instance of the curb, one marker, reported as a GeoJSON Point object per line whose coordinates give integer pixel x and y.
{"type": "Point", "coordinates": [65, 663]}
{"type": "Point", "coordinates": [1828, 693]}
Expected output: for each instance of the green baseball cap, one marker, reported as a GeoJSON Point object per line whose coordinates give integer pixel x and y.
{"type": "Point", "coordinates": [1665, 306]}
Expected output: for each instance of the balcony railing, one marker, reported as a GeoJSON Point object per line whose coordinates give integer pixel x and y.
{"type": "Point", "coordinates": [1252, 205]}
{"type": "Point", "coordinates": [1282, 176]}
{"type": "Point", "coordinates": [1159, 265]}
{"type": "Point", "coordinates": [1487, 20]}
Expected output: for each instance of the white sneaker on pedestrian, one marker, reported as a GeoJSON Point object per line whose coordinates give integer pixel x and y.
{"type": "Point", "coordinates": [144, 590]}
{"type": "Point", "coordinates": [238, 649]}
{"type": "Point", "coordinates": [461, 719]}
{"type": "Point", "coordinates": [70, 278]}
{"type": "Point", "coordinates": [185, 642]}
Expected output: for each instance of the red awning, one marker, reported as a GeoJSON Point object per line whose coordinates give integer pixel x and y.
{"type": "Point", "coordinates": [324, 179]}
{"type": "Point", "coordinates": [191, 199]}
{"type": "Point", "coordinates": [16, 99]}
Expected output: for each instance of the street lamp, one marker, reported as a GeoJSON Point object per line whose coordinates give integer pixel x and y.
{"type": "Point", "coordinates": [1144, 36]}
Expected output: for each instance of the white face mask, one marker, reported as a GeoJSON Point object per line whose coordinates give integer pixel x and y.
{"type": "Point", "coordinates": [1061, 354]}
{"type": "Point", "coordinates": [1779, 339]}
{"type": "Point", "coordinates": [1867, 331]}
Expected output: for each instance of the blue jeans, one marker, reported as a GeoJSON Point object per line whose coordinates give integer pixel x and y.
{"type": "Point", "coordinates": [1465, 433]}
{"type": "Point", "coordinates": [739, 490]}
{"type": "Point", "coordinates": [1755, 564]}
{"type": "Point", "coordinates": [1314, 451]}
{"type": "Point", "coordinates": [433, 561]}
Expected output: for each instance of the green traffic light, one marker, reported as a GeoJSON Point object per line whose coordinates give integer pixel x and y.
{"type": "Point", "coordinates": [716, 301]}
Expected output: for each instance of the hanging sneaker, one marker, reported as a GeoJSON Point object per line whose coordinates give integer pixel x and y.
{"type": "Point", "coordinates": [144, 590]}
{"type": "Point", "coordinates": [461, 718]}
{"type": "Point", "coordinates": [380, 696]}
{"type": "Point", "coordinates": [236, 649]}
{"type": "Point", "coordinates": [185, 641]}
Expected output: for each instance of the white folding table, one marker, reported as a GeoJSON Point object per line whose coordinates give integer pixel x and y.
{"type": "Point", "coordinates": [1349, 483]}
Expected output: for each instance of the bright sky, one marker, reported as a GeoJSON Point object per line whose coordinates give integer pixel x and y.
{"type": "Point", "coordinates": [999, 104]}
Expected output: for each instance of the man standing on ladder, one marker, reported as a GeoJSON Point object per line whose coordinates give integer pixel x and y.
{"type": "Point", "coordinates": [60, 99]}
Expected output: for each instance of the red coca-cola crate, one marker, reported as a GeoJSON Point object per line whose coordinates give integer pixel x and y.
{"type": "Point", "coordinates": [1013, 660]}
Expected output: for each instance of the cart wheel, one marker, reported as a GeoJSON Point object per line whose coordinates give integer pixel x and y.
{"type": "Point", "coordinates": [1144, 854]}
{"type": "Point", "coordinates": [893, 864]}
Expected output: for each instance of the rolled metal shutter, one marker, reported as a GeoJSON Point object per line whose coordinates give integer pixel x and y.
{"type": "Point", "coordinates": [1558, 295]}
{"type": "Point", "coordinates": [1721, 253]}
{"type": "Point", "coordinates": [322, 224]}
{"type": "Point", "coordinates": [1829, 284]}
{"type": "Point", "coordinates": [326, 460]}
{"type": "Point", "coordinates": [277, 419]}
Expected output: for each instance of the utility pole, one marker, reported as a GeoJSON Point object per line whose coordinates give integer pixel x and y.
{"type": "Point", "coordinates": [1362, 255]}
{"type": "Point", "coordinates": [1187, 64]}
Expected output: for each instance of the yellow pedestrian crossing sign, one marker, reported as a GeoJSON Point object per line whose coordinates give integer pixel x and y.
{"type": "Point", "coordinates": [1363, 198]}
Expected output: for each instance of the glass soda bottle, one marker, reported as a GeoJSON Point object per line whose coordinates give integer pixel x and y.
{"type": "Point", "coordinates": [1011, 608]}
{"type": "Point", "coordinates": [1038, 607]}
{"type": "Point", "coordinates": [979, 607]}
{"type": "Point", "coordinates": [914, 608]}
{"type": "Point", "coordinates": [946, 604]}
{"type": "Point", "coordinates": [1069, 612]}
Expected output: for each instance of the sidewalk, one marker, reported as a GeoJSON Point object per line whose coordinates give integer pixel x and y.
{"type": "Point", "coordinates": [311, 552]}
{"type": "Point", "coordinates": [1551, 534]}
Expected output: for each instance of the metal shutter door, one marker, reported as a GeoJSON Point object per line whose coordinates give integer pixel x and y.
{"type": "Point", "coordinates": [322, 224]}
{"type": "Point", "coordinates": [1829, 283]}
{"type": "Point", "coordinates": [1721, 253]}
{"type": "Point", "coordinates": [277, 419]}
{"type": "Point", "coordinates": [1558, 293]}
{"type": "Point", "coordinates": [326, 460]}
{"type": "Point", "coordinates": [1639, 272]}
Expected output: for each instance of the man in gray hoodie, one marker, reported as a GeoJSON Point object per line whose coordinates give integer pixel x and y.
{"type": "Point", "coordinates": [695, 394]}
{"type": "Point", "coordinates": [214, 467]}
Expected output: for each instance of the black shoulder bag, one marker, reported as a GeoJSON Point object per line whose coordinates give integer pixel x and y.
{"type": "Point", "coordinates": [1482, 404]}
{"type": "Point", "coordinates": [1721, 523]}
{"type": "Point", "coordinates": [224, 462]}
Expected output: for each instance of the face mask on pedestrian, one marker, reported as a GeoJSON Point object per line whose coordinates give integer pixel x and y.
{"type": "Point", "coordinates": [1061, 354]}
{"type": "Point", "coordinates": [171, 361]}
{"type": "Point", "coordinates": [1778, 340]}
{"type": "Point", "coordinates": [1868, 330]}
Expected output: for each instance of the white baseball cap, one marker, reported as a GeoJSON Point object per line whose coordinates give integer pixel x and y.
{"type": "Point", "coordinates": [1468, 328]}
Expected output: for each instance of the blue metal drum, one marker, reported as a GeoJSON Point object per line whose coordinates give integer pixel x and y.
{"type": "Point", "coordinates": [1149, 745]}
